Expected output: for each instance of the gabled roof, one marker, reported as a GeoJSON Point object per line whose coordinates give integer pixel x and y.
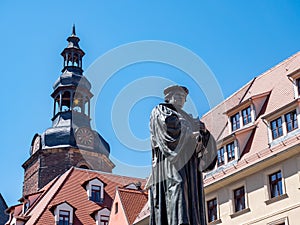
{"type": "Point", "coordinates": [133, 202]}
{"type": "Point", "coordinates": [68, 187]}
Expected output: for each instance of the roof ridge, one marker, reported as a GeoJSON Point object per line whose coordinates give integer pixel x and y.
{"type": "Point", "coordinates": [107, 173]}
{"type": "Point", "coordinates": [131, 190]}
{"type": "Point", "coordinates": [281, 63]}
{"type": "Point", "coordinates": [64, 178]}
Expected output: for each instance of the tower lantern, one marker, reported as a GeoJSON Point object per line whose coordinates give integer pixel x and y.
{"type": "Point", "coordinates": [73, 54]}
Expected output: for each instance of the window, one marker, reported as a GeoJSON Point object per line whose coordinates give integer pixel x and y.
{"type": "Point", "coordinates": [96, 193]}
{"type": "Point", "coordinates": [291, 121]}
{"type": "Point", "coordinates": [298, 85]}
{"type": "Point", "coordinates": [239, 199]}
{"type": "Point", "coordinates": [116, 208]}
{"type": "Point", "coordinates": [235, 122]}
{"type": "Point", "coordinates": [104, 220]}
{"type": "Point", "coordinates": [212, 210]}
{"type": "Point", "coordinates": [64, 217]}
{"type": "Point", "coordinates": [276, 128]}
{"type": "Point", "coordinates": [246, 114]}
{"type": "Point", "coordinates": [275, 180]}
{"type": "Point", "coordinates": [221, 160]}
{"type": "Point", "coordinates": [230, 151]}
{"type": "Point", "coordinates": [95, 190]}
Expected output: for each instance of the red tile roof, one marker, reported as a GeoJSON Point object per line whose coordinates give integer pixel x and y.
{"type": "Point", "coordinates": [133, 202]}
{"type": "Point", "coordinates": [68, 187]}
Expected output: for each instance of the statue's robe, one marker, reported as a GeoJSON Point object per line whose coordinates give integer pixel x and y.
{"type": "Point", "coordinates": [181, 149]}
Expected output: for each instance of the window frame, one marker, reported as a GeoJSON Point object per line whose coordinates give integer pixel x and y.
{"type": "Point", "coordinates": [235, 121]}
{"type": "Point", "coordinates": [277, 184]}
{"type": "Point", "coordinates": [267, 187]}
{"type": "Point", "coordinates": [248, 115]}
{"type": "Point", "coordinates": [297, 83]}
{"type": "Point", "coordinates": [95, 193]}
{"type": "Point", "coordinates": [231, 156]}
{"type": "Point", "coordinates": [293, 120]}
{"type": "Point", "coordinates": [221, 156]}
{"type": "Point", "coordinates": [239, 199]}
{"type": "Point", "coordinates": [60, 215]}
{"type": "Point", "coordinates": [104, 221]}
{"type": "Point", "coordinates": [214, 210]}
{"type": "Point", "coordinates": [116, 207]}
{"type": "Point", "coordinates": [276, 129]}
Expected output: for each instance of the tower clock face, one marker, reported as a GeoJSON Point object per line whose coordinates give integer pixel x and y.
{"type": "Point", "coordinates": [84, 136]}
{"type": "Point", "coordinates": [36, 144]}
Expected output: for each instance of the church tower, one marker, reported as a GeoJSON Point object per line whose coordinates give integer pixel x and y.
{"type": "Point", "coordinates": [70, 141]}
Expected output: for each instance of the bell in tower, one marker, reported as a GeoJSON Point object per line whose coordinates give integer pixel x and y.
{"type": "Point", "coordinates": [70, 141]}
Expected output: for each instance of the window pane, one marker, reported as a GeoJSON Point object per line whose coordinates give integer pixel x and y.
{"type": "Point", "coordinates": [64, 217]}
{"type": "Point", "coordinates": [220, 156]}
{"type": "Point", "coordinates": [276, 127]}
{"type": "Point", "coordinates": [291, 121]}
{"type": "Point", "coordinates": [239, 199]}
{"type": "Point", "coordinates": [235, 122]}
{"type": "Point", "coordinates": [246, 114]}
{"type": "Point", "coordinates": [212, 210]}
{"type": "Point", "coordinates": [96, 193]}
{"type": "Point", "coordinates": [275, 180]}
{"type": "Point", "coordinates": [230, 151]}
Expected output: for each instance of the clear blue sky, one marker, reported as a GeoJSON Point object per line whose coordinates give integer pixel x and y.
{"type": "Point", "coordinates": [238, 40]}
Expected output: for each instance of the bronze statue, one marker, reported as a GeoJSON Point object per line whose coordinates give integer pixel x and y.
{"type": "Point", "coordinates": [182, 149]}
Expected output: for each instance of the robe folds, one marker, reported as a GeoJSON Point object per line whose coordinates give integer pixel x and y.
{"type": "Point", "coordinates": [181, 149]}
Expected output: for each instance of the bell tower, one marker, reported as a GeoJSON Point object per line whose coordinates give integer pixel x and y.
{"type": "Point", "coordinates": [70, 141]}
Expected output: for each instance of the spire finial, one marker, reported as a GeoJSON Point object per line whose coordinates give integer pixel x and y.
{"type": "Point", "coordinates": [73, 30]}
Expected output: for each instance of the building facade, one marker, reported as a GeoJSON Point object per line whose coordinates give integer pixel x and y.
{"type": "Point", "coordinates": [257, 179]}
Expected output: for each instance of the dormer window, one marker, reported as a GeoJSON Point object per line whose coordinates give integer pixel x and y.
{"type": "Point", "coordinates": [102, 216]}
{"type": "Point", "coordinates": [26, 206]}
{"type": "Point", "coordinates": [235, 122]}
{"type": "Point", "coordinates": [95, 190]}
{"type": "Point", "coordinates": [227, 153]}
{"type": "Point", "coordinates": [63, 213]}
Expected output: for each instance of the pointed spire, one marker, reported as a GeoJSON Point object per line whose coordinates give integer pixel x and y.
{"type": "Point", "coordinates": [73, 30]}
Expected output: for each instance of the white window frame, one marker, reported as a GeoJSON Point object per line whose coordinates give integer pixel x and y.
{"type": "Point", "coordinates": [102, 212]}
{"type": "Point", "coordinates": [63, 207]}
{"type": "Point", "coordinates": [95, 182]}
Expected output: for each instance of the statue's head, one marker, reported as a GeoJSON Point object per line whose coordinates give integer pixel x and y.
{"type": "Point", "coordinates": [176, 95]}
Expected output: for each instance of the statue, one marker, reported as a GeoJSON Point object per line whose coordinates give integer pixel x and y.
{"type": "Point", "coordinates": [182, 148]}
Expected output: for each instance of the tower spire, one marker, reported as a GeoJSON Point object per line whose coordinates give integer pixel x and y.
{"type": "Point", "coordinates": [73, 30]}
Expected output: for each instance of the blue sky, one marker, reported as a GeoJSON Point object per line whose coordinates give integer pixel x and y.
{"type": "Point", "coordinates": [237, 40]}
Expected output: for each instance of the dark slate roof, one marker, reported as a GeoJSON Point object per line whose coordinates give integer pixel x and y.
{"type": "Point", "coordinates": [69, 78]}
{"type": "Point", "coordinates": [3, 207]}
